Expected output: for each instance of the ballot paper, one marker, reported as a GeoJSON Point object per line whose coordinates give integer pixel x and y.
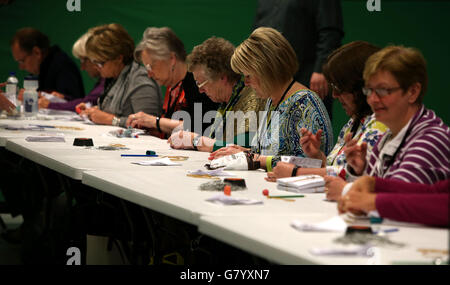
{"type": "Point", "coordinates": [303, 162]}
{"type": "Point", "coordinates": [22, 127]}
{"type": "Point", "coordinates": [52, 98]}
{"type": "Point", "coordinates": [157, 162]}
{"type": "Point", "coordinates": [335, 224]}
{"type": "Point", "coordinates": [215, 172]}
{"type": "Point", "coordinates": [59, 137]}
{"type": "Point", "coordinates": [232, 200]}
{"type": "Point", "coordinates": [360, 250]}
{"type": "Point", "coordinates": [302, 184]}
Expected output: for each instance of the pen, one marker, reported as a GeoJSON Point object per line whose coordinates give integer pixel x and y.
{"type": "Point", "coordinates": [138, 155]}
{"type": "Point", "coordinates": [287, 196]}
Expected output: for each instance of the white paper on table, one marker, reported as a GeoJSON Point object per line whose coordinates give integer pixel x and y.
{"type": "Point", "coordinates": [215, 172]}
{"type": "Point", "coordinates": [304, 162]}
{"type": "Point", "coordinates": [157, 162]}
{"type": "Point", "coordinates": [360, 250]}
{"type": "Point", "coordinates": [335, 224]}
{"type": "Point", "coordinates": [59, 137]}
{"type": "Point", "coordinates": [230, 200]}
{"type": "Point", "coordinates": [302, 183]}
{"type": "Point", "coordinates": [22, 127]}
{"type": "Point", "coordinates": [52, 98]}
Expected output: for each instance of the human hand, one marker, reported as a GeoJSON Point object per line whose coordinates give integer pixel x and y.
{"type": "Point", "coordinates": [20, 94]}
{"type": "Point", "coordinates": [5, 104]}
{"type": "Point", "coordinates": [333, 187]}
{"type": "Point", "coordinates": [355, 154]}
{"type": "Point", "coordinates": [181, 140]}
{"type": "Point", "coordinates": [357, 203]}
{"type": "Point", "coordinates": [43, 103]}
{"type": "Point", "coordinates": [57, 94]}
{"type": "Point", "coordinates": [311, 143]}
{"type": "Point", "coordinates": [140, 120]}
{"type": "Point", "coordinates": [97, 116]}
{"type": "Point", "coordinates": [282, 169]}
{"type": "Point", "coordinates": [319, 84]}
{"type": "Point", "coordinates": [226, 151]}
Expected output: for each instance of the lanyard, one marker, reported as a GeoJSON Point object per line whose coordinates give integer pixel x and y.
{"type": "Point", "coordinates": [171, 107]}
{"type": "Point", "coordinates": [269, 120]}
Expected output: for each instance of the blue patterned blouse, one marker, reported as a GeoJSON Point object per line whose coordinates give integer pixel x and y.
{"type": "Point", "coordinates": [279, 132]}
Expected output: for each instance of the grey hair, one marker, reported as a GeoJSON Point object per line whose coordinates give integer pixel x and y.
{"type": "Point", "coordinates": [160, 42]}
{"type": "Point", "coordinates": [79, 47]}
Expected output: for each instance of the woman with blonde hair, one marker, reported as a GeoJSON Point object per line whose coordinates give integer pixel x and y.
{"type": "Point", "coordinates": [268, 63]}
{"type": "Point", "coordinates": [127, 88]}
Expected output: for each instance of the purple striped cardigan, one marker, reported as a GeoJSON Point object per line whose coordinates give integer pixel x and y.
{"type": "Point", "coordinates": [424, 154]}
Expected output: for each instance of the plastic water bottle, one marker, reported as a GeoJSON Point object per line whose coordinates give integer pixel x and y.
{"type": "Point", "coordinates": [11, 88]}
{"type": "Point", "coordinates": [30, 96]}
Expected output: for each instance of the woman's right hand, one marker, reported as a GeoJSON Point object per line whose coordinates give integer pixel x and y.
{"type": "Point", "coordinates": [311, 143]}
{"type": "Point", "coordinates": [140, 120]}
{"type": "Point", "coordinates": [355, 154]}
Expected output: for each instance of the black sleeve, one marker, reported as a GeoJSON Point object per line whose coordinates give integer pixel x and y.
{"type": "Point", "coordinates": [330, 32]}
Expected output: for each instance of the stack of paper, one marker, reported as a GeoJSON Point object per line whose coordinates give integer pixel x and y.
{"type": "Point", "coordinates": [335, 224]}
{"type": "Point", "coordinates": [302, 184]}
{"type": "Point", "coordinates": [303, 162]}
{"type": "Point", "coordinates": [157, 162]}
{"type": "Point", "coordinates": [46, 138]}
{"type": "Point", "coordinates": [215, 172]}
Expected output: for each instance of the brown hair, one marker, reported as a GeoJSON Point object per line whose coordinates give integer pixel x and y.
{"type": "Point", "coordinates": [215, 55]}
{"type": "Point", "coordinates": [108, 42]}
{"type": "Point", "coordinates": [267, 54]}
{"type": "Point", "coordinates": [28, 37]}
{"type": "Point", "coordinates": [344, 68]}
{"type": "Point", "coordinates": [406, 64]}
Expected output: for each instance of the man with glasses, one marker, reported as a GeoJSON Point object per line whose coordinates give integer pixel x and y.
{"type": "Point", "coordinates": [56, 70]}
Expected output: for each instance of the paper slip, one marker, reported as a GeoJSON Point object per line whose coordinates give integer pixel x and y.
{"type": "Point", "coordinates": [46, 138]}
{"type": "Point", "coordinates": [344, 251]}
{"type": "Point", "coordinates": [302, 183]}
{"type": "Point", "coordinates": [22, 127]}
{"type": "Point", "coordinates": [304, 162]}
{"type": "Point", "coordinates": [335, 224]}
{"type": "Point", "coordinates": [52, 98]}
{"type": "Point", "coordinates": [215, 172]}
{"type": "Point", "coordinates": [157, 162]}
{"type": "Point", "coordinates": [229, 200]}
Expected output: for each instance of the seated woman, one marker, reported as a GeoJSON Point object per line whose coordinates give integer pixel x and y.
{"type": "Point", "coordinates": [268, 62]}
{"type": "Point", "coordinates": [79, 51]}
{"type": "Point", "coordinates": [127, 87]}
{"type": "Point", "coordinates": [416, 148]}
{"type": "Point", "coordinates": [237, 117]}
{"type": "Point", "coordinates": [399, 200]}
{"type": "Point", "coordinates": [164, 56]}
{"type": "Point", "coordinates": [344, 71]}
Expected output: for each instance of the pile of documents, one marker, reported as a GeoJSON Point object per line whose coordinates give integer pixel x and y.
{"type": "Point", "coordinates": [302, 184]}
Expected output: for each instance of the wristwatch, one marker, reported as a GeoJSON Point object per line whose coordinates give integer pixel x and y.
{"type": "Point", "coordinates": [294, 171]}
{"type": "Point", "coordinates": [196, 141]}
{"type": "Point", "coordinates": [115, 121]}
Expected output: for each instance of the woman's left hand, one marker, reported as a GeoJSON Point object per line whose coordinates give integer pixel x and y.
{"type": "Point", "coordinates": [97, 116]}
{"type": "Point", "coordinates": [181, 140]}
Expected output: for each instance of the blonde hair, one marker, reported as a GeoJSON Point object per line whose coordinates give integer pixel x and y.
{"type": "Point", "coordinates": [268, 55]}
{"type": "Point", "coordinates": [108, 42]}
{"type": "Point", "coordinates": [406, 64]}
{"type": "Point", "coordinates": [160, 42]}
{"type": "Point", "coordinates": [79, 47]}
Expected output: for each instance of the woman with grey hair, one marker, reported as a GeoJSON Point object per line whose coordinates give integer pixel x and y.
{"type": "Point", "coordinates": [164, 56]}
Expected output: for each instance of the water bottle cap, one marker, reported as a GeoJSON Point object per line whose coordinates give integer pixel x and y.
{"type": "Point", "coordinates": [12, 73]}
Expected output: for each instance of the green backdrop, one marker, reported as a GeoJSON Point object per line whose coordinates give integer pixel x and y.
{"type": "Point", "coordinates": [422, 24]}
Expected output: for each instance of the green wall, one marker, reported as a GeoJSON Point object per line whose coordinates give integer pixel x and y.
{"type": "Point", "coordinates": [422, 24]}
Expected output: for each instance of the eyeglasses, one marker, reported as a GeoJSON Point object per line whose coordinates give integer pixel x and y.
{"type": "Point", "coordinates": [98, 63]}
{"type": "Point", "coordinates": [336, 89]}
{"type": "Point", "coordinates": [200, 85]}
{"type": "Point", "coordinates": [381, 92]}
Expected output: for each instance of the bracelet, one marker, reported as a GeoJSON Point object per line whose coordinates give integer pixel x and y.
{"type": "Point", "coordinates": [294, 171]}
{"type": "Point", "coordinates": [157, 124]}
{"type": "Point", "coordinates": [196, 141]}
{"type": "Point", "coordinates": [115, 121]}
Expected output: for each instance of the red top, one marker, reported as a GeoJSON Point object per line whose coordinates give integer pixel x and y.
{"type": "Point", "coordinates": [413, 202]}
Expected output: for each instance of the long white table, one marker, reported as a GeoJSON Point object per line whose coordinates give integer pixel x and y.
{"type": "Point", "coordinates": [263, 230]}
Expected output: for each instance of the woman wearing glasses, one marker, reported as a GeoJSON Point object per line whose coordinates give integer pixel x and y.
{"type": "Point", "coordinates": [268, 62]}
{"type": "Point", "coordinates": [344, 70]}
{"type": "Point", "coordinates": [127, 88]}
{"type": "Point", "coordinates": [164, 56]}
{"type": "Point", "coordinates": [416, 148]}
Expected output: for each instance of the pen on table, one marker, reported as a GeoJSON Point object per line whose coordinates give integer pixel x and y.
{"type": "Point", "coordinates": [286, 196]}
{"type": "Point", "coordinates": [387, 230]}
{"type": "Point", "coordinates": [139, 155]}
